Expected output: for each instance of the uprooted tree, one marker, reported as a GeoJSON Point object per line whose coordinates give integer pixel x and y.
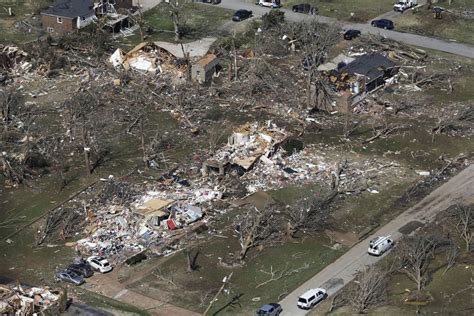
{"type": "Point", "coordinates": [369, 290]}
{"type": "Point", "coordinates": [257, 228]}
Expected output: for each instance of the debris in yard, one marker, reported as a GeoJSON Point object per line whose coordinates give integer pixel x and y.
{"type": "Point", "coordinates": [23, 300]}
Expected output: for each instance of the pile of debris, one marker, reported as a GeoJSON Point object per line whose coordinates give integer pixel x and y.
{"type": "Point", "coordinates": [20, 300]}
{"type": "Point", "coordinates": [12, 61]}
{"type": "Point", "coordinates": [147, 57]}
{"type": "Point", "coordinates": [121, 231]}
{"type": "Point", "coordinates": [247, 144]}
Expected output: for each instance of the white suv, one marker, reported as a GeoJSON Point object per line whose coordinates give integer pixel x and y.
{"type": "Point", "coordinates": [269, 3]}
{"type": "Point", "coordinates": [99, 263]}
{"type": "Point", "coordinates": [311, 298]}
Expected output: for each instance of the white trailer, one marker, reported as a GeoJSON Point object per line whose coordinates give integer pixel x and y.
{"type": "Point", "coordinates": [403, 5]}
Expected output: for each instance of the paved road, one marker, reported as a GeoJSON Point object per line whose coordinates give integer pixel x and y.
{"type": "Point", "coordinates": [407, 38]}
{"type": "Point", "coordinates": [339, 273]}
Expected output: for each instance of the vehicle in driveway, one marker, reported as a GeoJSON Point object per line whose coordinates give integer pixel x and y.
{"type": "Point", "coordinates": [269, 3]}
{"type": "Point", "coordinates": [272, 309]}
{"type": "Point", "coordinates": [100, 264]}
{"type": "Point", "coordinates": [383, 24]}
{"type": "Point", "coordinates": [379, 245]}
{"type": "Point", "coordinates": [70, 277]}
{"type": "Point", "coordinates": [83, 268]}
{"type": "Point", "coordinates": [241, 15]}
{"type": "Point", "coordinates": [311, 298]}
{"type": "Point", "coordinates": [305, 8]}
{"type": "Point", "coordinates": [351, 34]}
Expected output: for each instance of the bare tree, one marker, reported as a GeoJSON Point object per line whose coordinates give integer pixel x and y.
{"type": "Point", "coordinates": [178, 17]}
{"type": "Point", "coordinates": [315, 40]}
{"type": "Point", "coordinates": [462, 219]}
{"type": "Point", "coordinates": [257, 228]}
{"type": "Point", "coordinates": [452, 253]}
{"type": "Point", "coordinates": [369, 290]}
{"type": "Point", "coordinates": [85, 127]}
{"type": "Point", "coordinates": [415, 255]}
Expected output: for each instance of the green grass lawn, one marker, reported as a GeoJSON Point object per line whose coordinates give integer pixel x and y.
{"type": "Point", "coordinates": [201, 21]}
{"type": "Point", "coordinates": [450, 27]}
{"type": "Point", "coordinates": [311, 255]}
{"type": "Point", "coordinates": [363, 10]}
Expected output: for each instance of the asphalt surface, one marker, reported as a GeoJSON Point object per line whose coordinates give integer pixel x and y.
{"type": "Point", "coordinates": [407, 38]}
{"type": "Point", "coordinates": [335, 276]}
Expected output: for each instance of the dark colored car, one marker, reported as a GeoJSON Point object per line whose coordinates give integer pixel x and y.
{"type": "Point", "coordinates": [271, 309]}
{"type": "Point", "coordinates": [305, 8]}
{"type": "Point", "coordinates": [383, 24]}
{"type": "Point", "coordinates": [69, 276]}
{"type": "Point", "coordinates": [241, 15]}
{"type": "Point", "coordinates": [84, 269]}
{"type": "Point", "coordinates": [351, 34]}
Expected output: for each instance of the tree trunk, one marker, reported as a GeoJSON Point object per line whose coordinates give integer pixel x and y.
{"type": "Point", "coordinates": [142, 138]}
{"type": "Point", "coordinates": [86, 150]}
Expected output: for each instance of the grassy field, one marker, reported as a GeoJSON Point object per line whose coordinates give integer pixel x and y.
{"type": "Point", "coordinates": [310, 256]}
{"type": "Point", "coordinates": [363, 10]}
{"type": "Point", "coordinates": [201, 21]}
{"type": "Point", "coordinates": [450, 27]}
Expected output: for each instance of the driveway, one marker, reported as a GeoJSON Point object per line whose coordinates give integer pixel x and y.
{"type": "Point", "coordinates": [407, 38]}
{"type": "Point", "coordinates": [335, 276]}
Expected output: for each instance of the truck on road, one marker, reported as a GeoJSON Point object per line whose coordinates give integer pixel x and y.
{"type": "Point", "coordinates": [403, 5]}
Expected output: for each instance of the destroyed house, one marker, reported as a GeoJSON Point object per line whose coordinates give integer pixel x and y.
{"type": "Point", "coordinates": [371, 69]}
{"type": "Point", "coordinates": [67, 15]}
{"type": "Point", "coordinates": [205, 68]}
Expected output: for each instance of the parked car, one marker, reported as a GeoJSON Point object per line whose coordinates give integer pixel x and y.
{"type": "Point", "coordinates": [241, 15]}
{"type": "Point", "coordinates": [305, 8]}
{"type": "Point", "coordinates": [84, 269]}
{"type": "Point", "coordinates": [70, 276]}
{"type": "Point", "coordinates": [379, 245]}
{"type": "Point", "coordinates": [351, 34]}
{"type": "Point", "coordinates": [269, 3]}
{"type": "Point", "coordinates": [311, 298]}
{"type": "Point", "coordinates": [383, 24]}
{"type": "Point", "coordinates": [100, 264]}
{"type": "Point", "coordinates": [272, 309]}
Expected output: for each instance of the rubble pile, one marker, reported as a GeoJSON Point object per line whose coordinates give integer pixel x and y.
{"type": "Point", "coordinates": [121, 231]}
{"type": "Point", "coordinates": [21, 300]}
{"type": "Point", "coordinates": [13, 61]}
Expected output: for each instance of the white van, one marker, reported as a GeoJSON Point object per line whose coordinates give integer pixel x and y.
{"type": "Point", "coordinates": [311, 298]}
{"type": "Point", "coordinates": [379, 245]}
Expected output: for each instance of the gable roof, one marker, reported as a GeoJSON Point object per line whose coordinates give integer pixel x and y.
{"type": "Point", "coordinates": [370, 65]}
{"type": "Point", "coordinates": [71, 8]}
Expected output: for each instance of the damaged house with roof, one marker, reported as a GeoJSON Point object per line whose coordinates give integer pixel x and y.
{"type": "Point", "coordinates": [68, 15]}
{"type": "Point", "coordinates": [65, 16]}
{"type": "Point", "coordinates": [354, 78]}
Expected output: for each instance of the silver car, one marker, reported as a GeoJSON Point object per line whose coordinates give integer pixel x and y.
{"type": "Point", "coordinates": [70, 276]}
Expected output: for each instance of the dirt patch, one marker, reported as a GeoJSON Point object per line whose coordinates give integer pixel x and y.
{"type": "Point", "coordinates": [345, 238]}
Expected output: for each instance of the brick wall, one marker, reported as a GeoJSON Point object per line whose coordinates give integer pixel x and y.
{"type": "Point", "coordinates": [68, 25]}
